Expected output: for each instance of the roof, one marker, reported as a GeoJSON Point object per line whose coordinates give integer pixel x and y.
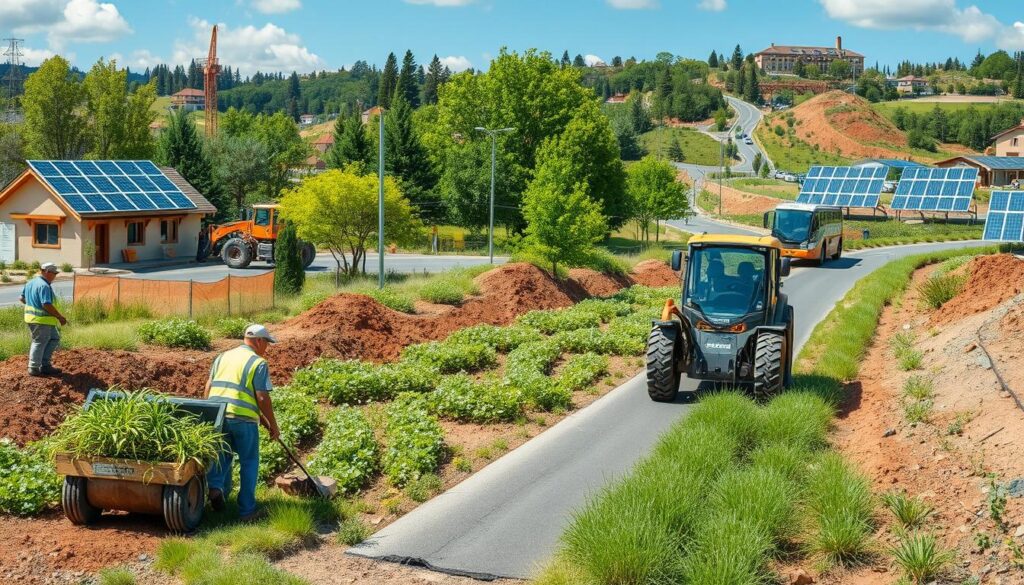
{"type": "Point", "coordinates": [800, 51]}
{"type": "Point", "coordinates": [804, 206]}
{"type": "Point", "coordinates": [992, 163]}
{"type": "Point", "coordinates": [327, 138]}
{"type": "Point", "coordinates": [912, 78]}
{"type": "Point", "coordinates": [203, 204]}
{"type": "Point", "coordinates": [1017, 128]}
{"type": "Point", "coordinates": [895, 163]}
{"type": "Point", "coordinates": [189, 92]}
{"type": "Point", "coordinates": [729, 239]}
{"type": "Point", "coordinates": [372, 111]}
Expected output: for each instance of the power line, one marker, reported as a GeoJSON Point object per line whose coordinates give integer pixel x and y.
{"type": "Point", "coordinates": [13, 78]}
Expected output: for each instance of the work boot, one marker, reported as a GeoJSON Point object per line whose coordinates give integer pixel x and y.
{"type": "Point", "coordinates": [217, 500]}
{"type": "Point", "coordinates": [34, 372]}
{"type": "Point", "coordinates": [51, 371]}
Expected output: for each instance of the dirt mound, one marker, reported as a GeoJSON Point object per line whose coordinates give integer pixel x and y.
{"type": "Point", "coordinates": [598, 284]}
{"type": "Point", "coordinates": [654, 273]}
{"type": "Point", "coordinates": [32, 407]}
{"type": "Point", "coordinates": [993, 280]}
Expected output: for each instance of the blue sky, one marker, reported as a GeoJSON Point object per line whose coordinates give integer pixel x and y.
{"type": "Point", "coordinates": [306, 34]}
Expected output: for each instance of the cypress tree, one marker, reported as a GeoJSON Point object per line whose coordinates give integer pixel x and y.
{"type": "Point", "coordinates": [405, 157]}
{"type": "Point", "coordinates": [713, 60]}
{"type": "Point", "coordinates": [388, 82]}
{"type": "Point", "coordinates": [435, 72]}
{"type": "Point", "coordinates": [289, 275]}
{"type": "Point", "coordinates": [294, 96]}
{"type": "Point", "coordinates": [753, 86]}
{"type": "Point", "coordinates": [737, 58]}
{"type": "Point", "coordinates": [407, 87]}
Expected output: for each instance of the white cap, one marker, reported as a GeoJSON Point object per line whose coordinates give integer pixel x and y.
{"type": "Point", "coordinates": [256, 331]}
{"type": "Point", "coordinates": [49, 267]}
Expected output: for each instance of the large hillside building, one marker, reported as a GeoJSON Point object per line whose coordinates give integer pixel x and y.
{"type": "Point", "coordinates": [782, 59]}
{"type": "Point", "coordinates": [188, 99]}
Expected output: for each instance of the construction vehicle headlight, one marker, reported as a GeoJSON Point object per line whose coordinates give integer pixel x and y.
{"type": "Point", "coordinates": [737, 328]}
{"type": "Point", "coordinates": [803, 245]}
{"type": "Point", "coordinates": [705, 326]}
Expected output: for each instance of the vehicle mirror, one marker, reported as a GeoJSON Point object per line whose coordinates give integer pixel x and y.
{"type": "Point", "coordinates": [677, 260]}
{"type": "Point", "coordinates": [768, 220]}
{"type": "Point", "coordinates": [784, 272]}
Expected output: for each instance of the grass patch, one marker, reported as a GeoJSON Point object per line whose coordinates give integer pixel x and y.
{"type": "Point", "coordinates": [790, 153]}
{"type": "Point", "coordinates": [939, 289]}
{"type": "Point", "coordinates": [766, 187]}
{"type": "Point", "coordinates": [841, 507]}
{"type": "Point", "coordinates": [115, 576]}
{"type": "Point", "coordinates": [698, 148]}
{"type": "Point", "coordinates": [920, 557]}
{"type": "Point", "coordinates": [911, 512]}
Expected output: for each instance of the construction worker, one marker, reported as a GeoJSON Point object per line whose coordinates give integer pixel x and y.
{"type": "Point", "coordinates": [42, 319]}
{"type": "Point", "coordinates": [240, 378]}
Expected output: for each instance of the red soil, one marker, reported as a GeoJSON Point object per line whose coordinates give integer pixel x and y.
{"type": "Point", "coordinates": [654, 273]}
{"type": "Point", "coordinates": [993, 280]}
{"type": "Point", "coordinates": [598, 284]}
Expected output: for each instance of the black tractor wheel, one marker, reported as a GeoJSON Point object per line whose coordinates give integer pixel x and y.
{"type": "Point", "coordinates": [769, 366]}
{"type": "Point", "coordinates": [183, 504]}
{"type": "Point", "coordinates": [790, 328]}
{"type": "Point", "coordinates": [839, 251]}
{"type": "Point", "coordinates": [662, 373]}
{"type": "Point", "coordinates": [308, 254]}
{"type": "Point", "coordinates": [74, 500]}
{"type": "Point", "coordinates": [236, 253]}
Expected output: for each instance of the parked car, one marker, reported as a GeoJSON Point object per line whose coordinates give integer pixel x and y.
{"type": "Point", "coordinates": [789, 177]}
{"type": "Point", "coordinates": [889, 187]}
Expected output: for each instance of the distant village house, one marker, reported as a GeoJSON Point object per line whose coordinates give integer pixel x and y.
{"type": "Point", "coordinates": [188, 99]}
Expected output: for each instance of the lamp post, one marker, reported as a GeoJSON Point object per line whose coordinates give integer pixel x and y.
{"type": "Point", "coordinates": [380, 204]}
{"type": "Point", "coordinates": [494, 149]}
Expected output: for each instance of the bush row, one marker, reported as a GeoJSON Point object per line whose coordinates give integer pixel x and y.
{"type": "Point", "coordinates": [414, 439]}
{"type": "Point", "coordinates": [449, 358]}
{"type": "Point", "coordinates": [182, 333]}
{"type": "Point", "coordinates": [296, 415]}
{"type": "Point", "coordinates": [28, 482]}
{"type": "Point", "coordinates": [355, 382]}
{"type": "Point", "coordinates": [348, 452]}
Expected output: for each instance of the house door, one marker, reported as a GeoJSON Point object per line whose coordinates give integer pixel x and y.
{"type": "Point", "coordinates": [102, 243]}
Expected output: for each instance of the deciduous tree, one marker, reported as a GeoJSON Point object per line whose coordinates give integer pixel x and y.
{"type": "Point", "coordinates": [55, 125]}
{"type": "Point", "coordinates": [562, 223]}
{"type": "Point", "coordinates": [240, 167]}
{"type": "Point", "coordinates": [654, 193]}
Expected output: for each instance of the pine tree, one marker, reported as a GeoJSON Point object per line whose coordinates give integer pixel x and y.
{"type": "Point", "coordinates": [663, 94]}
{"type": "Point", "coordinates": [737, 58]}
{"type": "Point", "coordinates": [639, 118]}
{"type": "Point", "coordinates": [294, 97]}
{"type": "Point", "coordinates": [432, 81]}
{"type": "Point", "coordinates": [388, 82]}
{"type": "Point", "coordinates": [407, 87]}
{"type": "Point", "coordinates": [675, 151]}
{"type": "Point", "coordinates": [616, 61]}
{"type": "Point", "coordinates": [740, 87]}
{"type": "Point", "coordinates": [753, 86]}
{"type": "Point", "coordinates": [713, 60]}
{"type": "Point", "coordinates": [565, 59]}
{"type": "Point", "coordinates": [289, 274]}
{"type": "Point", "coordinates": [1018, 84]}
{"type": "Point", "coordinates": [978, 60]}
{"type": "Point", "coordinates": [579, 61]}
{"type": "Point", "coordinates": [181, 148]}
{"type": "Point", "coordinates": [351, 144]}
{"type": "Point", "coordinates": [405, 157]}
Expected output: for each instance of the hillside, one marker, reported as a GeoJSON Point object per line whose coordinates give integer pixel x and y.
{"type": "Point", "coordinates": [837, 127]}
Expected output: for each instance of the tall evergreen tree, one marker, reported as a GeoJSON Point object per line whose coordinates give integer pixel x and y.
{"type": "Point", "coordinates": [351, 144]}
{"type": "Point", "coordinates": [289, 274]}
{"type": "Point", "coordinates": [752, 91]}
{"type": "Point", "coordinates": [405, 157]}
{"type": "Point", "coordinates": [799, 69]}
{"type": "Point", "coordinates": [181, 147]}
{"type": "Point", "coordinates": [663, 94]}
{"type": "Point", "coordinates": [675, 151]}
{"type": "Point", "coordinates": [565, 59]}
{"type": "Point", "coordinates": [978, 60]}
{"type": "Point", "coordinates": [740, 87]}
{"type": "Point", "coordinates": [639, 118]}
{"type": "Point", "coordinates": [579, 61]}
{"type": "Point", "coordinates": [294, 97]}
{"type": "Point", "coordinates": [713, 60]}
{"type": "Point", "coordinates": [407, 86]}
{"type": "Point", "coordinates": [388, 82]}
{"type": "Point", "coordinates": [737, 58]}
{"type": "Point", "coordinates": [616, 61]}
{"type": "Point", "coordinates": [432, 81]}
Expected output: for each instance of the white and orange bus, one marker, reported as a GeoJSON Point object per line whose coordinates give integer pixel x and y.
{"type": "Point", "coordinates": [809, 232]}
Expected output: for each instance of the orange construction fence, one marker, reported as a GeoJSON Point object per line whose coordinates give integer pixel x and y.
{"type": "Point", "coordinates": [228, 296]}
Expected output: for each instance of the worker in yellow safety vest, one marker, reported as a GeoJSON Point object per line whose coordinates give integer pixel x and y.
{"type": "Point", "coordinates": [42, 319]}
{"type": "Point", "coordinates": [240, 378]}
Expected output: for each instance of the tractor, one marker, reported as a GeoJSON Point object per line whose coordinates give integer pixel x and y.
{"type": "Point", "coordinates": [240, 242]}
{"type": "Point", "coordinates": [734, 325]}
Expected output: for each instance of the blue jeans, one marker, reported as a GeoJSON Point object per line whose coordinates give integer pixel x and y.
{"type": "Point", "coordinates": [45, 339]}
{"type": "Point", "coordinates": [243, 440]}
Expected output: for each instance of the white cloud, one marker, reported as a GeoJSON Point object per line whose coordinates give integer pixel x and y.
{"type": "Point", "coordinates": [970, 23]}
{"type": "Point", "coordinates": [1013, 36]}
{"type": "Point", "coordinates": [33, 57]}
{"type": "Point", "coordinates": [248, 49]}
{"type": "Point", "coordinates": [712, 5]}
{"type": "Point", "coordinates": [590, 60]}
{"type": "Point", "coordinates": [139, 60]}
{"type": "Point", "coordinates": [633, 4]}
{"type": "Point", "coordinates": [456, 63]}
{"type": "Point", "coordinates": [30, 15]}
{"type": "Point", "coordinates": [442, 3]}
{"type": "Point", "coordinates": [276, 6]}
{"type": "Point", "coordinates": [88, 21]}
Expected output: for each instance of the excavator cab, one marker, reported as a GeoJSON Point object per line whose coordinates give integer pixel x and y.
{"type": "Point", "coordinates": [734, 324]}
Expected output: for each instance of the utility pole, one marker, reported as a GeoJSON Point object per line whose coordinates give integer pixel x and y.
{"type": "Point", "coordinates": [494, 149]}
{"type": "Point", "coordinates": [13, 78]}
{"type": "Point", "coordinates": [380, 204]}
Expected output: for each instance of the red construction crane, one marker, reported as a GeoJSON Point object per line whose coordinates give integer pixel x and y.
{"type": "Point", "coordinates": [211, 69]}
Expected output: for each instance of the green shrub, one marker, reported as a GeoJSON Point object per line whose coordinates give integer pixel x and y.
{"type": "Point", "coordinates": [67, 267]}
{"type": "Point", "coordinates": [637, 326]}
{"type": "Point", "coordinates": [537, 356]}
{"type": "Point", "coordinates": [414, 440]}
{"type": "Point", "coordinates": [801, 419]}
{"type": "Point", "coordinates": [461, 398]}
{"type": "Point", "coordinates": [353, 531]}
{"type": "Point", "coordinates": [19, 265]}
{"type": "Point", "coordinates": [296, 415]}
{"type": "Point", "coordinates": [355, 382]}
{"type": "Point", "coordinates": [917, 411]}
{"type": "Point", "coordinates": [232, 327]}
{"type": "Point", "coordinates": [28, 481]}
{"type": "Point", "coordinates": [424, 487]}
{"type": "Point", "coordinates": [141, 426]}
{"type": "Point", "coordinates": [939, 289]}
{"type": "Point", "coordinates": [36, 266]}
{"type": "Point", "coordinates": [442, 292]}
{"type": "Point", "coordinates": [607, 309]}
{"type": "Point", "coordinates": [911, 512]}
{"type": "Point", "coordinates": [841, 507]}
{"type": "Point", "coordinates": [390, 298]}
{"type": "Point", "coordinates": [348, 451]}
{"type": "Point", "coordinates": [502, 339]}
{"type": "Point", "coordinates": [539, 391]}
{"type": "Point", "coordinates": [920, 557]}
{"type": "Point", "coordinates": [603, 342]}
{"type": "Point", "coordinates": [647, 296]}
{"type": "Point", "coordinates": [175, 333]}
{"type": "Point", "coordinates": [551, 322]}
{"type": "Point", "coordinates": [728, 550]}
{"type": "Point", "coordinates": [582, 370]}
{"type": "Point", "coordinates": [449, 358]}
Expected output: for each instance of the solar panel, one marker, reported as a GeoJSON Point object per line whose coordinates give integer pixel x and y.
{"type": "Point", "coordinates": [1005, 221]}
{"type": "Point", "coordinates": [926, 189]}
{"type": "Point", "coordinates": [843, 186]}
{"type": "Point", "coordinates": [106, 186]}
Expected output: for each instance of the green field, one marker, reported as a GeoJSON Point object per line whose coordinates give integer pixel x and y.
{"type": "Point", "coordinates": [887, 109]}
{"type": "Point", "coordinates": [698, 149]}
{"type": "Point", "coordinates": [789, 153]}
{"type": "Point", "coordinates": [766, 187]}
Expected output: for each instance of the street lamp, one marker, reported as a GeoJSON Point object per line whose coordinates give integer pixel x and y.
{"type": "Point", "coordinates": [494, 142]}
{"type": "Point", "coordinates": [380, 203]}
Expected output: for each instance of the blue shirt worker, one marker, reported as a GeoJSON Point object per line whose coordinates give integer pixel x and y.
{"type": "Point", "coordinates": [240, 378]}
{"type": "Point", "coordinates": [42, 319]}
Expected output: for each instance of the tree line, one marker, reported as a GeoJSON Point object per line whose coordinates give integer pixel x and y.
{"type": "Point", "coordinates": [971, 127]}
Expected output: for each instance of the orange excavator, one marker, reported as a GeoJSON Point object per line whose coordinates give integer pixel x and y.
{"type": "Point", "coordinates": [238, 243]}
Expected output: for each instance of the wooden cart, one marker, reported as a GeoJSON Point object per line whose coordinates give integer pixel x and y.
{"type": "Point", "coordinates": [175, 491]}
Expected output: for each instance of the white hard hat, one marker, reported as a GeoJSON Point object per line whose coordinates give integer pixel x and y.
{"type": "Point", "coordinates": [256, 331]}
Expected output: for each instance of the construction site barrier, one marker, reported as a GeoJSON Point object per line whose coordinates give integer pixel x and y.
{"type": "Point", "coordinates": [232, 295]}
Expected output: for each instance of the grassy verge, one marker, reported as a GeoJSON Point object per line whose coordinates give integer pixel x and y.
{"type": "Point", "coordinates": [790, 153]}
{"type": "Point", "coordinates": [766, 187]}
{"type": "Point", "coordinates": [891, 232]}
{"type": "Point", "coordinates": [735, 483]}
{"type": "Point", "coordinates": [698, 148]}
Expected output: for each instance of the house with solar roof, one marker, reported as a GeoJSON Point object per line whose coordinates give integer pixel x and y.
{"type": "Point", "coordinates": [129, 210]}
{"type": "Point", "coordinates": [993, 171]}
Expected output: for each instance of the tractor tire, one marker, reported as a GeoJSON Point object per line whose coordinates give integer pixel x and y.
{"type": "Point", "coordinates": [183, 505]}
{"type": "Point", "coordinates": [236, 253]}
{"type": "Point", "coordinates": [308, 252]}
{"type": "Point", "coordinates": [787, 380]}
{"type": "Point", "coordinates": [769, 369]}
{"type": "Point", "coordinates": [662, 375]}
{"type": "Point", "coordinates": [75, 501]}
{"type": "Point", "coordinates": [839, 251]}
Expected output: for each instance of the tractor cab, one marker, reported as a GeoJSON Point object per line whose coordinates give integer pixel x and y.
{"type": "Point", "coordinates": [238, 243]}
{"type": "Point", "coordinates": [733, 325]}
{"type": "Point", "coordinates": [264, 218]}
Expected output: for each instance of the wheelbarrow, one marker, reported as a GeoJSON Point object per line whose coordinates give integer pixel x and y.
{"type": "Point", "coordinates": [172, 490]}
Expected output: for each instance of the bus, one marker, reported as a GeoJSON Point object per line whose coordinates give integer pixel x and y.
{"type": "Point", "coordinates": [809, 232]}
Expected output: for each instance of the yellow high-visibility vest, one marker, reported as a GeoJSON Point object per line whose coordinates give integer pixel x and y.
{"type": "Point", "coordinates": [36, 315]}
{"type": "Point", "coordinates": [232, 382]}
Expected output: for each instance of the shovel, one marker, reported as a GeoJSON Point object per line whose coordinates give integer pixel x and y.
{"type": "Point", "coordinates": [322, 490]}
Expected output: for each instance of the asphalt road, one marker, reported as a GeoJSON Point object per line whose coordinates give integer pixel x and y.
{"type": "Point", "coordinates": [214, 270]}
{"type": "Point", "coordinates": [506, 519]}
{"type": "Point", "coordinates": [748, 117]}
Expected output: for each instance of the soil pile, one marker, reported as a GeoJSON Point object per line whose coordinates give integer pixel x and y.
{"type": "Point", "coordinates": [993, 280]}
{"type": "Point", "coordinates": [32, 407]}
{"type": "Point", "coordinates": [654, 273]}
{"type": "Point", "coordinates": [598, 284]}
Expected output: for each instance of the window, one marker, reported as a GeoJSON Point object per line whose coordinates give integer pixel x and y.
{"type": "Point", "coordinates": [136, 233]}
{"type": "Point", "coordinates": [262, 216]}
{"type": "Point", "coordinates": [45, 235]}
{"type": "Point", "coordinates": [1015, 139]}
{"type": "Point", "coordinates": [169, 231]}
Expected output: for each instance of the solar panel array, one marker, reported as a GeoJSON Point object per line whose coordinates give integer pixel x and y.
{"type": "Point", "coordinates": [1005, 221]}
{"type": "Point", "coordinates": [926, 189]}
{"type": "Point", "coordinates": [106, 186]}
{"type": "Point", "coordinates": [843, 186]}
